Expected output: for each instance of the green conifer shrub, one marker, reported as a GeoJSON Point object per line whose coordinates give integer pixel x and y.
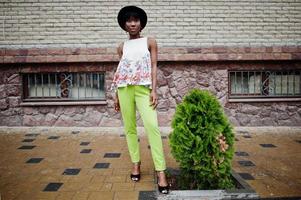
{"type": "Point", "coordinates": [202, 142]}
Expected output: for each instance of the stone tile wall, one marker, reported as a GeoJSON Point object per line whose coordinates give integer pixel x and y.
{"type": "Point", "coordinates": [175, 79]}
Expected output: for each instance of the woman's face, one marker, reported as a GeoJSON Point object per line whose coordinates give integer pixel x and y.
{"type": "Point", "coordinates": [133, 26]}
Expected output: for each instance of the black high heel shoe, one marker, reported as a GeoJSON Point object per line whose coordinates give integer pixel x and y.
{"type": "Point", "coordinates": [162, 189]}
{"type": "Point", "coordinates": [136, 177]}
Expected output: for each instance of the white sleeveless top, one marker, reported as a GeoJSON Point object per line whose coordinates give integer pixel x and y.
{"type": "Point", "coordinates": [134, 67]}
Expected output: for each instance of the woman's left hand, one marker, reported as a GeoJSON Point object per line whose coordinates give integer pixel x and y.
{"type": "Point", "coordinates": [153, 99]}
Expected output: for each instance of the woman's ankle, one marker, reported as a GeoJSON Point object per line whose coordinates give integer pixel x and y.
{"type": "Point", "coordinates": [136, 168]}
{"type": "Point", "coordinates": [161, 175]}
{"type": "Point", "coordinates": [137, 163]}
{"type": "Point", "coordinates": [160, 171]}
{"type": "Point", "coordinates": [162, 179]}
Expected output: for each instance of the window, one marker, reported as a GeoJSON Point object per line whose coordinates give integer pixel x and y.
{"type": "Point", "coordinates": [63, 86]}
{"type": "Point", "coordinates": [264, 84]}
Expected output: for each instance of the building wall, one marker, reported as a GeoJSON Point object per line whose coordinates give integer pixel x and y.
{"type": "Point", "coordinates": [175, 79]}
{"type": "Point", "coordinates": [93, 23]}
{"type": "Point", "coordinates": [199, 42]}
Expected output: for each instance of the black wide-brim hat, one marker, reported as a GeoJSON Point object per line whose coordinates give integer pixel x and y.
{"type": "Point", "coordinates": [121, 16]}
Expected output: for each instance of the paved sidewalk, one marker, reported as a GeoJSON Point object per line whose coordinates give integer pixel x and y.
{"type": "Point", "coordinates": [93, 163]}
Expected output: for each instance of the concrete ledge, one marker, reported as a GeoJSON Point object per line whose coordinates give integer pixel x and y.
{"type": "Point", "coordinates": [207, 194]}
{"type": "Point", "coordinates": [243, 192]}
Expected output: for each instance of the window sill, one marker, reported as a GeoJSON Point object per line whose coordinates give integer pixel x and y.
{"type": "Point", "coordinates": [69, 103]}
{"type": "Point", "coordinates": [264, 100]}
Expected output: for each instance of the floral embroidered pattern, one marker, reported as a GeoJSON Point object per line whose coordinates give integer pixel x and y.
{"type": "Point", "coordinates": [131, 72]}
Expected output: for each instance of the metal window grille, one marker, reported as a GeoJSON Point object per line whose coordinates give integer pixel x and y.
{"type": "Point", "coordinates": [264, 84]}
{"type": "Point", "coordinates": [63, 86]}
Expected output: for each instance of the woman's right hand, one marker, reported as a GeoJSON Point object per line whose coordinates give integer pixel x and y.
{"type": "Point", "coordinates": [116, 103]}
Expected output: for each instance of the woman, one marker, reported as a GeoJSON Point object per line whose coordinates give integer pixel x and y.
{"type": "Point", "coordinates": [135, 83]}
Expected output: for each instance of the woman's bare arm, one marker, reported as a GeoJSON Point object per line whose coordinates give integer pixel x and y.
{"type": "Point", "coordinates": [152, 46]}
{"type": "Point", "coordinates": [119, 50]}
{"type": "Point", "coordinates": [116, 100]}
{"type": "Point", "coordinates": [154, 54]}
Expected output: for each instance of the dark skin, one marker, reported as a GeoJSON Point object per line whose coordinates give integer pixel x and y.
{"type": "Point", "coordinates": [133, 27]}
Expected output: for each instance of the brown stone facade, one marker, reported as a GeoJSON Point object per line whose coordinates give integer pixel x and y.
{"type": "Point", "coordinates": [179, 70]}
{"type": "Point", "coordinates": [216, 53]}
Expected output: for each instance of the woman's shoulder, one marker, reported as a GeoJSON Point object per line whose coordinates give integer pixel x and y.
{"type": "Point", "coordinates": [151, 42]}
{"type": "Point", "coordinates": [120, 45]}
{"type": "Point", "coordinates": [151, 38]}
{"type": "Point", "coordinates": [120, 49]}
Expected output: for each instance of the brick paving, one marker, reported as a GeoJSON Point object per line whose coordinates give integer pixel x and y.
{"type": "Point", "coordinates": [93, 163]}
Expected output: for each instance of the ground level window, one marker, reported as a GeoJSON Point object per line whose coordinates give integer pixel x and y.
{"type": "Point", "coordinates": [63, 86]}
{"type": "Point", "coordinates": [264, 84]}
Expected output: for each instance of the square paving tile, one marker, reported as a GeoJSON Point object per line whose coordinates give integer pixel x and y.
{"type": "Point", "coordinates": [267, 145]}
{"type": "Point", "coordinates": [101, 165]}
{"type": "Point", "coordinates": [27, 147]}
{"type": "Point", "coordinates": [246, 163]}
{"type": "Point", "coordinates": [32, 134]}
{"type": "Point", "coordinates": [112, 155]}
{"type": "Point", "coordinates": [52, 187]}
{"type": "Point", "coordinates": [71, 171]}
{"type": "Point", "coordinates": [86, 151]}
{"type": "Point", "coordinates": [75, 132]}
{"type": "Point", "coordinates": [53, 137]}
{"type": "Point", "coordinates": [241, 153]}
{"type": "Point", "coordinates": [28, 140]}
{"type": "Point", "coordinates": [246, 176]}
{"type": "Point", "coordinates": [34, 160]}
{"type": "Point", "coordinates": [84, 143]}
{"type": "Point", "coordinates": [243, 132]}
{"type": "Point", "coordinates": [147, 195]}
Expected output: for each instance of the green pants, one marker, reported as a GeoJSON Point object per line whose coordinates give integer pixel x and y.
{"type": "Point", "coordinates": [139, 95]}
